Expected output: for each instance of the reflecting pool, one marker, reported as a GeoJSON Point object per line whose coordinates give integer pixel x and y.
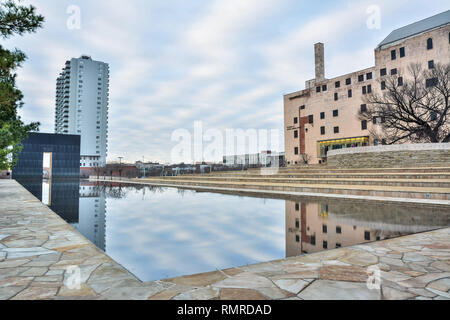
{"type": "Point", "coordinates": [159, 233]}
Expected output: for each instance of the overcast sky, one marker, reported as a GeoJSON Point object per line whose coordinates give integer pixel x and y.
{"type": "Point", "coordinates": [226, 63]}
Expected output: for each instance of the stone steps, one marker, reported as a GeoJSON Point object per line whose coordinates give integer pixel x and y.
{"type": "Point", "coordinates": [324, 188]}
{"type": "Point", "coordinates": [342, 170]}
{"type": "Point", "coordinates": [361, 176]}
{"type": "Point", "coordinates": [422, 183]}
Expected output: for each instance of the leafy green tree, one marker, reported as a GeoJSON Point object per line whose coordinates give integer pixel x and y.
{"type": "Point", "coordinates": [15, 19]}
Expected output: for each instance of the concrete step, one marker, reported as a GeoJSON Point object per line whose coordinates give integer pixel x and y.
{"type": "Point", "coordinates": [342, 170]}
{"type": "Point", "coordinates": [373, 175]}
{"type": "Point", "coordinates": [424, 183]}
{"type": "Point", "coordinates": [363, 190]}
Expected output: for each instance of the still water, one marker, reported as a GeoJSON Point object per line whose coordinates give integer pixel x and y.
{"type": "Point", "coordinates": [158, 232]}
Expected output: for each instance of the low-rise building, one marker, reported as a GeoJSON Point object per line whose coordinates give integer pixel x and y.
{"type": "Point", "coordinates": [324, 116]}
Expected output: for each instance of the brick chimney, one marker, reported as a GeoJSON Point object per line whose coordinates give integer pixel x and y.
{"type": "Point", "coordinates": [319, 57]}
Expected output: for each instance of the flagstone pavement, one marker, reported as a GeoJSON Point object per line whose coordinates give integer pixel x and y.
{"type": "Point", "coordinates": [41, 255]}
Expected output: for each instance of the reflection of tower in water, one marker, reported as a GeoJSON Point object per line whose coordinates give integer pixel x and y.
{"type": "Point", "coordinates": [92, 217]}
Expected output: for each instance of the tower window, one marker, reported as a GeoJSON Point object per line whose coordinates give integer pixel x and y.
{"type": "Point", "coordinates": [429, 43]}
{"type": "Point", "coordinates": [364, 125]}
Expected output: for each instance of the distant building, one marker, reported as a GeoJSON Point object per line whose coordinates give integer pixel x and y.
{"type": "Point", "coordinates": [324, 116]}
{"type": "Point", "coordinates": [82, 98]}
{"type": "Point", "coordinates": [262, 159]}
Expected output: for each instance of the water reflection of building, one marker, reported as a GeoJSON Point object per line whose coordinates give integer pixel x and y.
{"type": "Point", "coordinates": [60, 195]}
{"type": "Point", "coordinates": [313, 227]}
{"type": "Point", "coordinates": [92, 216]}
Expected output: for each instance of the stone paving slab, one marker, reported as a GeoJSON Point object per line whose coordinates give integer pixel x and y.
{"type": "Point", "coordinates": [38, 250]}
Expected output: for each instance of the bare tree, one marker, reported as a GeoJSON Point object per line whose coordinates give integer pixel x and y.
{"type": "Point", "coordinates": [414, 108]}
{"type": "Point", "coordinates": [306, 158]}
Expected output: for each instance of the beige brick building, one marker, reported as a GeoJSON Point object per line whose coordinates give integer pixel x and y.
{"type": "Point", "coordinates": [324, 116]}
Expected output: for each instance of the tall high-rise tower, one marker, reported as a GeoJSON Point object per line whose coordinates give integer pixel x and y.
{"type": "Point", "coordinates": [82, 97]}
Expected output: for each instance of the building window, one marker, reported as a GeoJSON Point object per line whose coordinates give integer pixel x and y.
{"type": "Point", "coordinates": [335, 113]}
{"type": "Point", "coordinates": [433, 116]}
{"type": "Point", "coordinates": [369, 76]}
{"type": "Point", "coordinates": [364, 125]}
{"type": "Point", "coordinates": [337, 84]}
{"type": "Point", "coordinates": [383, 72]}
{"type": "Point", "coordinates": [367, 235]}
{"type": "Point", "coordinates": [296, 150]}
{"type": "Point", "coordinates": [336, 96]}
{"type": "Point", "coordinates": [383, 85]}
{"type": "Point", "coordinates": [322, 130]}
{"type": "Point", "coordinates": [363, 108]}
{"type": "Point", "coordinates": [393, 71]}
{"type": "Point", "coordinates": [297, 206]}
{"type": "Point", "coordinates": [369, 88]}
{"type": "Point", "coordinates": [338, 245]}
{"type": "Point", "coordinates": [313, 240]}
{"type": "Point", "coordinates": [297, 223]}
{"type": "Point", "coordinates": [431, 82]}
{"type": "Point", "coordinates": [324, 87]}
{"type": "Point", "coordinates": [322, 115]}
{"type": "Point", "coordinates": [361, 78]}
{"type": "Point", "coordinates": [336, 129]}
{"type": "Point", "coordinates": [325, 245]}
{"type": "Point", "coordinates": [311, 119]}
{"type": "Point", "coordinates": [400, 81]}
{"type": "Point", "coordinates": [402, 52]}
{"type": "Point", "coordinates": [350, 93]}
{"type": "Point", "coordinates": [295, 120]}
{"type": "Point", "coordinates": [393, 55]}
{"type": "Point", "coordinates": [324, 228]}
{"type": "Point", "coordinates": [374, 120]}
{"type": "Point", "coordinates": [431, 64]}
{"type": "Point", "coordinates": [302, 107]}
{"type": "Point", "coordinates": [348, 81]}
{"type": "Point", "coordinates": [295, 134]}
{"type": "Point", "coordinates": [318, 89]}
{"type": "Point", "coordinates": [429, 43]}
{"type": "Point", "coordinates": [297, 238]}
{"type": "Point", "coordinates": [338, 230]}
{"type": "Point", "coordinates": [364, 90]}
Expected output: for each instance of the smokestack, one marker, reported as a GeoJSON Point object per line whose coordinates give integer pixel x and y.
{"type": "Point", "coordinates": [320, 61]}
